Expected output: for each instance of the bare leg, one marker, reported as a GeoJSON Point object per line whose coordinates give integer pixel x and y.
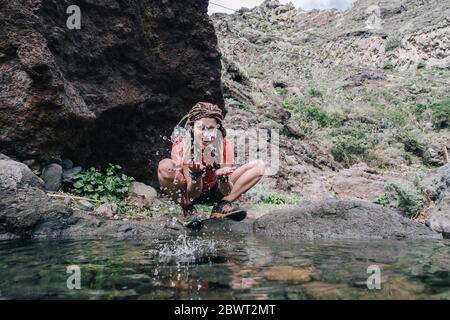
{"type": "Point", "coordinates": [173, 182]}
{"type": "Point", "coordinates": [244, 178]}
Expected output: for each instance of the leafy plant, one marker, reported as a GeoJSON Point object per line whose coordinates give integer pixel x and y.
{"type": "Point", "coordinates": [409, 200]}
{"type": "Point", "coordinates": [413, 145]}
{"type": "Point", "coordinates": [109, 187]}
{"type": "Point", "coordinates": [279, 199]}
{"type": "Point", "coordinates": [261, 194]}
{"type": "Point", "coordinates": [440, 113]}
{"type": "Point", "coordinates": [283, 92]}
{"type": "Point", "coordinates": [388, 66]}
{"type": "Point", "coordinates": [248, 107]}
{"type": "Point", "coordinates": [383, 200]}
{"type": "Point", "coordinates": [346, 147]}
{"type": "Point", "coordinates": [305, 114]}
{"type": "Point", "coordinates": [315, 93]}
{"type": "Point", "coordinates": [314, 113]}
{"type": "Point", "coordinates": [421, 65]}
{"type": "Point", "coordinates": [295, 106]}
{"type": "Point", "coordinates": [392, 43]}
{"type": "Point", "coordinates": [351, 143]}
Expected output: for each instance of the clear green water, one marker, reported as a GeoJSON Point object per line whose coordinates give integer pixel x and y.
{"type": "Point", "coordinates": [224, 268]}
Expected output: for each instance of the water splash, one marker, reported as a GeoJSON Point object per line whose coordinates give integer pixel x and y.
{"type": "Point", "coordinates": [186, 251]}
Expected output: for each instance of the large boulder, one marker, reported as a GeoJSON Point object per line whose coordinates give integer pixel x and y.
{"type": "Point", "coordinates": [52, 176]}
{"type": "Point", "coordinates": [438, 216]}
{"type": "Point", "coordinates": [359, 182]}
{"type": "Point", "coordinates": [341, 219]}
{"type": "Point", "coordinates": [108, 92]}
{"type": "Point", "coordinates": [15, 175]}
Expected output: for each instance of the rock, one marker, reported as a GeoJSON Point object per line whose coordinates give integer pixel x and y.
{"type": "Point", "coordinates": [3, 157]}
{"type": "Point", "coordinates": [107, 209]}
{"type": "Point", "coordinates": [341, 219]}
{"type": "Point", "coordinates": [289, 274]}
{"type": "Point", "coordinates": [365, 75]}
{"type": "Point", "coordinates": [432, 157]}
{"type": "Point", "coordinates": [273, 111]}
{"type": "Point", "coordinates": [15, 175]}
{"type": "Point", "coordinates": [294, 129]}
{"type": "Point", "coordinates": [85, 205]}
{"type": "Point", "coordinates": [122, 83]}
{"type": "Point", "coordinates": [70, 174]}
{"type": "Point", "coordinates": [438, 216]}
{"type": "Point", "coordinates": [52, 176]}
{"type": "Point", "coordinates": [359, 182]}
{"type": "Point", "coordinates": [33, 165]}
{"type": "Point", "coordinates": [67, 164]}
{"type": "Point", "coordinates": [141, 194]}
{"type": "Point", "coordinates": [67, 201]}
{"type": "Point", "coordinates": [441, 180]}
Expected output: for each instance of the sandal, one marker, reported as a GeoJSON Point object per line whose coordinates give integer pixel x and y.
{"type": "Point", "coordinates": [225, 209]}
{"type": "Point", "coordinates": [192, 220]}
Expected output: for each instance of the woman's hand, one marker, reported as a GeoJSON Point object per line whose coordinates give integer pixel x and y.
{"type": "Point", "coordinates": [225, 171]}
{"type": "Point", "coordinates": [196, 167]}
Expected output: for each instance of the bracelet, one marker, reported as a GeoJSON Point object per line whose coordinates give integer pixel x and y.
{"type": "Point", "coordinates": [196, 175]}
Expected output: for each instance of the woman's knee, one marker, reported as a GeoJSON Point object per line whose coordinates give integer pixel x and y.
{"type": "Point", "coordinates": [259, 167]}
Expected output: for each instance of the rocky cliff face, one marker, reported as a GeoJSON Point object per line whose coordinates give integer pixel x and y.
{"type": "Point", "coordinates": [108, 92]}
{"type": "Point", "coordinates": [334, 81]}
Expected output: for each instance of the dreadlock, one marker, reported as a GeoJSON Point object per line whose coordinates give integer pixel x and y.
{"type": "Point", "coordinates": [206, 110]}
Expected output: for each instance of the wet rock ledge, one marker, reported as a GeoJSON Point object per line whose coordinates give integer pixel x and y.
{"type": "Point", "coordinates": [27, 212]}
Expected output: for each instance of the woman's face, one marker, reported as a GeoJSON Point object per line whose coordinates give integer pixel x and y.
{"type": "Point", "coordinates": [205, 131]}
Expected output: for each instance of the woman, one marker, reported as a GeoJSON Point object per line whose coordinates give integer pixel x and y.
{"type": "Point", "coordinates": [191, 177]}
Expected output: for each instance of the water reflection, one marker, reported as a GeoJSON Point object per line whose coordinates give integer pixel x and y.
{"type": "Point", "coordinates": [225, 268]}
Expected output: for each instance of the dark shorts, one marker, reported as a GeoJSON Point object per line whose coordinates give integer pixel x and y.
{"type": "Point", "coordinates": [209, 196]}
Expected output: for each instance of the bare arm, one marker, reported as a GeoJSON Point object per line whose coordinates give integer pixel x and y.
{"type": "Point", "coordinates": [223, 177]}
{"type": "Point", "coordinates": [194, 187]}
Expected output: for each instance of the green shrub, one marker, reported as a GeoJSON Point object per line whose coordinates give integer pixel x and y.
{"type": "Point", "coordinates": [346, 148]}
{"type": "Point", "coordinates": [283, 92]}
{"type": "Point", "coordinates": [388, 66]}
{"type": "Point", "coordinates": [394, 117]}
{"type": "Point", "coordinates": [383, 200]}
{"type": "Point", "coordinates": [248, 107]}
{"type": "Point", "coordinates": [392, 43]}
{"type": "Point", "coordinates": [421, 65]}
{"type": "Point", "coordinates": [279, 199]}
{"type": "Point", "coordinates": [409, 200]}
{"type": "Point", "coordinates": [440, 113]}
{"type": "Point", "coordinates": [111, 187]}
{"type": "Point", "coordinates": [305, 113]}
{"type": "Point", "coordinates": [261, 194]}
{"type": "Point", "coordinates": [295, 106]}
{"type": "Point", "coordinates": [351, 143]}
{"type": "Point", "coordinates": [413, 145]}
{"type": "Point", "coordinates": [314, 113]}
{"type": "Point", "coordinates": [315, 93]}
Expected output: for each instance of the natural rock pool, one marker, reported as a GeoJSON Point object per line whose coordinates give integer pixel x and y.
{"type": "Point", "coordinates": [197, 267]}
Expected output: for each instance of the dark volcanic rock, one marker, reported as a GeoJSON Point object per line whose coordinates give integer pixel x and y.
{"type": "Point", "coordinates": [108, 92]}
{"type": "Point", "coordinates": [339, 219]}
{"type": "Point", "coordinates": [438, 217]}
{"type": "Point", "coordinates": [15, 175]}
{"type": "Point", "coordinates": [52, 176]}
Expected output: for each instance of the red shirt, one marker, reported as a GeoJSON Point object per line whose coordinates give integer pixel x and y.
{"type": "Point", "coordinates": [209, 179]}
